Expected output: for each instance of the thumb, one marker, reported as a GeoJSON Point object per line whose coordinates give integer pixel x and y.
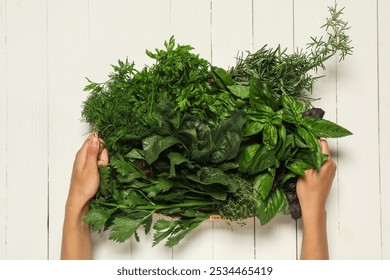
{"type": "Point", "coordinates": [92, 153]}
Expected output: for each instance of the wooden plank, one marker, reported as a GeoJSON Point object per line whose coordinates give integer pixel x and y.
{"type": "Point", "coordinates": [231, 29]}
{"type": "Point", "coordinates": [190, 24]}
{"type": "Point", "coordinates": [130, 28]}
{"type": "Point", "coordinates": [3, 132]}
{"type": "Point", "coordinates": [358, 162]}
{"type": "Point", "coordinates": [67, 66]}
{"type": "Point", "coordinates": [273, 26]}
{"type": "Point", "coordinates": [308, 18]}
{"type": "Point", "coordinates": [384, 123]}
{"type": "Point", "coordinates": [273, 23]}
{"type": "Point", "coordinates": [27, 164]}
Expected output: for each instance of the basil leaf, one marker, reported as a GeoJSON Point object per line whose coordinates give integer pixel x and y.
{"type": "Point", "coordinates": [260, 95]}
{"type": "Point", "coordinates": [324, 128]}
{"type": "Point", "coordinates": [263, 183]}
{"type": "Point", "coordinates": [293, 106]}
{"type": "Point", "coordinates": [267, 208]}
{"type": "Point", "coordinates": [247, 156]}
{"type": "Point", "coordinates": [239, 91]}
{"type": "Point", "coordinates": [270, 136]}
{"type": "Point", "coordinates": [314, 146]}
{"type": "Point", "coordinates": [262, 160]}
{"type": "Point", "coordinates": [252, 128]}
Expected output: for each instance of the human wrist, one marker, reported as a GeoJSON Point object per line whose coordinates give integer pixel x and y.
{"type": "Point", "coordinates": [314, 215]}
{"type": "Point", "coordinates": [76, 207]}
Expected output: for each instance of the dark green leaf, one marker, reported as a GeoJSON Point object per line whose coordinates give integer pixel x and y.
{"type": "Point", "coordinates": [247, 156]}
{"type": "Point", "coordinates": [222, 78]}
{"type": "Point", "coordinates": [177, 159]}
{"type": "Point", "coordinates": [228, 138]}
{"type": "Point", "coordinates": [155, 145]}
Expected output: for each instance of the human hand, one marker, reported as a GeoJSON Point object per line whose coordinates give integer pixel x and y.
{"type": "Point", "coordinates": [85, 178]}
{"type": "Point", "coordinates": [313, 189]}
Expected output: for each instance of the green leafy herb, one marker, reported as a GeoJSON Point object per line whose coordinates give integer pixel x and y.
{"type": "Point", "coordinates": [189, 140]}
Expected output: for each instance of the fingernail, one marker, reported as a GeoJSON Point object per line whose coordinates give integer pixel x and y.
{"type": "Point", "coordinates": [94, 141]}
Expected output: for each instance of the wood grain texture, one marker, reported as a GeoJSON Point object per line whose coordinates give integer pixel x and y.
{"type": "Point", "coordinates": [358, 162]}
{"type": "Point", "coordinates": [384, 120]}
{"type": "Point", "coordinates": [27, 116]}
{"type": "Point", "coordinates": [68, 66]}
{"type": "Point", "coordinates": [48, 47]}
{"type": "Point", "coordinates": [3, 132]}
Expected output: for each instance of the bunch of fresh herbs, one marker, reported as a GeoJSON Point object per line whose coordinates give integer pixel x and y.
{"type": "Point", "coordinates": [189, 140]}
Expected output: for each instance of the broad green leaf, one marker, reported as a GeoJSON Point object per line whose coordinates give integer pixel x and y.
{"type": "Point", "coordinates": [263, 159]}
{"type": "Point", "coordinates": [247, 156]}
{"type": "Point", "coordinates": [156, 144]}
{"type": "Point", "coordinates": [263, 183]}
{"type": "Point", "coordinates": [228, 138]}
{"type": "Point", "coordinates": [314, 146]}
{"type": "Point", "coordinates": [261, 95]}
{"type": "Point", "coordinates": [97, 218]}
{"type": "Point", "coordinates": [240, 91]}
{"type": "Point", "coordinates": [298, 166]}
{"type": "Point", "coordinates": [123, 228]}
{"type": "Point", "coordinates": [222, 78]}
{"type": "Point", "coordinates": [270, 136]}
{"type": "Point", "coordinates": [324, 128]}
{"type": "Point", "coordinates": [176, 159]}
{"type": "Point", "coordinates": [252, 128]}
{"type": "Point", "coordinates": [267, 208]}
{"type": "Point", "coordinates": [292, 105]}
{"type": "Point", "coordinates": [136, 154]}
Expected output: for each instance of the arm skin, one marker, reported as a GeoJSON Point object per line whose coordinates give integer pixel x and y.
{"type": "Point", "coordinates": [76, 236]}
{"type": "Point", "coordinates": [312, 193]}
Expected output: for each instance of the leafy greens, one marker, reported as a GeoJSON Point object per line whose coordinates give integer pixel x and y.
{"type": "Point", "coordinates": [189, 140]}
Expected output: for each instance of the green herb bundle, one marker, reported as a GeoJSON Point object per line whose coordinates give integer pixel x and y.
{"type": "Point", "coordinates": [189, 140]}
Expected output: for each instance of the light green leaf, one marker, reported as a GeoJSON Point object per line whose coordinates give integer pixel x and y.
{"type": "Point", "coordinates": [266, 209]}
{"type": "Point", "coordinates": [324, 128]}
{"type": "Point", "coordinates": [263, 183]}
{"type": "Point", "coordinates": [240, 91]}
{"type": "Point", "coordinates": [123, 228]}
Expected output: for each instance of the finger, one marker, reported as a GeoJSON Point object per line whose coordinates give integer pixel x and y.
{"type": "Point", "coordinates": [103, 158]}
{"type": "Point", "coordinates": [92, 153]}
{"type": "Point", "coordinates": [324, 147]}
{"type": "Point", "coordinates": [81, 156]}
